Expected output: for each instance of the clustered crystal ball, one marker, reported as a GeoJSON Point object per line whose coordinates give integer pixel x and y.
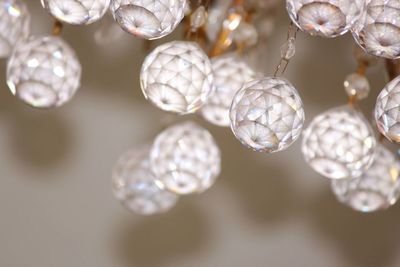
{"type": "Point", "coordinates": [387, 110]}
{"type": "Point", "coordinates": [44, 72]}
{"type": "Point", "coordinates": [267, 114]}
{"type": "Point", "coordinates": [135, 185]}
{"type": "Point", "coordinates": [230, 73]}
{"type": "Point", "coordinates": [177, 77]}
{"type": "Point", "coordinates": [77, 12]}
{"type": "Point", "coordinates": [185, 158]}
{"type": "Point", "coordinates": [376, 189]}
{"type": "Point", "coordinates": [326, 18]}
{"type": "Point", "coordinates": [14, 25]}
{"type": "Point", "coordinates": [378, 31]}
{"type": "Point", "coordinates": [149, 19]}
{"type": "Point", "coordinates": [339, 143]}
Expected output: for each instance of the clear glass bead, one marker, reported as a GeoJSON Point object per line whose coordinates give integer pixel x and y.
{"type": "Point", "coordinates": [267, 114]}
{"type": "Point", "coordinates": [177, 77]}
{"type": "Point", "coordinates": [339, 143]}
{"type": "Point", "coordinates": [326, 18]}
{"type": "Point", "coordinates": [135, 185]}
{"type": "Point", "coordinates": [288, 49]}
{"type": "Point", "coordinates": [387, 110]}
{"type": "Point", "coordinates": [378, 31]}
{"type": "Point", "coordinates": [77, 12]}
{"type": "Point", "coordinates": [44, 72]}
{"type": "Point", "coordinates": [376, 189]}
{"type": "Point", "coordinates": [357, 85]}
{"type": "Point", "coordinates": [149, 19]}
{"type": "Point", "coordinates": [230, 73]}
{"type": "Point", "coordinates": [186, 158]}
{"type": "Point", "coordinates": [14, 25]}
{"type": "Point", "coordinates": [198, 18]}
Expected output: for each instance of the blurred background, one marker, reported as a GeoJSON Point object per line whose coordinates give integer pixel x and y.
{"type": "Point", "coordinates": [56, 203]}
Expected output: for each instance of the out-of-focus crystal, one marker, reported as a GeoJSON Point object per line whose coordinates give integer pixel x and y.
{"type": "Point", "coordinates": [339, 143]}
{"type": "Point", "coordinates": [230, 73]}
{"type": "Point", "coordinates": [288, 49]}
{"type": "Point", "coordinates": [376, 189]}
{"type": "Point", "coordinates": [177, 77]}
{"type": "Point", "coordinates": [378, 31]}
{"type": "Point", "coordinates": [387, 110]}
{"type": "Point", "coordinates": [135, 185]}
{"type": "Point", "coordinates": [185, 158]}
{"type": "Point", "coordinates": [198, 18]}
{"type": "Point", "coordinates": [246, 34]}
{"type": "Point", "coordinates": [357, 85]}
{"type": "Point", "coordinates": [267, 114]}
{"type": "Point", "coordinates": [326, 18]}
{"type": "Point", "coordinates": [77, 12]}
{"type": "Point", "coordinates": [14, 25]}
{"type": "Point", "coordinates": [149, 19]}
{"type": "Point", "coordinates": [44, 72]}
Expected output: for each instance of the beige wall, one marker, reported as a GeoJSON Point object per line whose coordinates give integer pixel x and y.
{"type": "Point", "coordinates": [56, 205]}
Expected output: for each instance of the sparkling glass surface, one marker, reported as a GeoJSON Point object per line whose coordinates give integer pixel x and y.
{"type": "Point", "coordinates": [185, 158]}
{"type": "Point", "coordinates": [44, 72]}
{"type": "Point", "coordinates": [339, 143]}
{"type": "Point", "coordinates": [377, 188]}
{"type": "Point", "coordinates": [148, 19]}
{"type": "Point", "coordinates": [177, 77]}
{"type": "Point", "coordinates": [135, 185]}
{"type": "Point", "coordinates": [77, 12]}
{"type": "Point", "coordinates": [267, 115]}
{"type": "Point", "coordinates": [230, 74]}
{"type": "Point", "coordinates": [387, 110]}
{"type": "Point", "coordinates": [14, 25]}
{"type": "Point", "coordinates": [326, 18]}
{"type": "Point", "coordinates": [378, 31]}
{"type": "Point", "coordinates": [357, 85]}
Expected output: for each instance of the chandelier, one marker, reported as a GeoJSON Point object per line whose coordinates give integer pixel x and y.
{"type": "Point", "coordinates": [207, 73]}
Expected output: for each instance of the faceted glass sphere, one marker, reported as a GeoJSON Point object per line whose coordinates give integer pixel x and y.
{"type": "Point", "coordinates": [326, 18]}
{"type": "Point", "coordinates": [378, 30]}
{"type": "Point", "coordinates": [387, 110]}
{"type": "Point", "coordinates": [135, 185]}
{"type": "Point", "coordinates": [44, 72]}
{"type": "Point", "coordinates": [14, 25]}
{"type": "Point", "coordinates": [185, 158]}
{"type": "Point", "coordinates": [77, 12]}
{"type": "Point", "coordinates": [267, 114]}
{"type": "Point", "coordinates": [149, 19]}
{"type": "Point", "coordinates": [230, 73]}
{"type": "Point", "coordinates": [339, 143]}
{"type": "Point", "coordinates": [177, 77]}
{"type": "Point", "coordinates": [377, 188]}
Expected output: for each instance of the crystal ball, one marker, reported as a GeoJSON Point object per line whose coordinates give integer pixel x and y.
{"type": "Point", "coordinates": [77, 12]}
{"type": "Point", "coordinates": [177, 77]}
{"type": "Point", "coordinates": [326, 18]}
{"type": "Point", "coordinates": [186, 158]}
{"type": "Point", "coordinates": [14, 25]}
{"type": "Point", "coordinates": [135, 185]}
{"type": "Point", "coordinates": [357, 85]}
{"type": "Point", "coordinates": [376, 189]}
{"type": "Point", "coordinates": [339, 143]}
{"type": "Point", "coordinates": [378, 30]}
{"type": "Point", "coordinates": [230, 74]}
{"type": "Point", "coordinates": [44, 72]}
{"type": "Point", "coordinates": [149, 19]}
{"type": "Point", "coordinates": [267, 114]}
{"type": "Point", "coordinates": [387, 110]}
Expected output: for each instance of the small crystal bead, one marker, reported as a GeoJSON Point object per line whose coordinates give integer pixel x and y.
{"type": "Point", "coordinates": [246, 34]}
{"type": "Point", "coordinates": [288, 49]}
{"type": "Point", "coordinates": [357, 85]}
{"type": "Point", "coordinates": [198, 18]}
